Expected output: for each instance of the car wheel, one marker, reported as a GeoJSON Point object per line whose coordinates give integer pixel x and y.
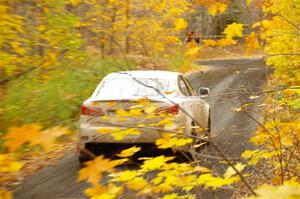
{"type": "Point", "coordinates": [83, 156]}
{"type": "Point", "coordinates": [208, 130]}
{"type": "Point", "coordinates": [197, 144]}
{"type": "Point", "coordinates": [82, 160]}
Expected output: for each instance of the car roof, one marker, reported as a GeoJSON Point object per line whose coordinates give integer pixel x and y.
{"type": "Point", "coordinates": [144, 74]}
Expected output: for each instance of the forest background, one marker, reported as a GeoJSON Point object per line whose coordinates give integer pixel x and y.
{"type": "Point", "coordinates": [54, 52]}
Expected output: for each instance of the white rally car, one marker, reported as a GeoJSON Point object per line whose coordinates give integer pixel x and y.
{"type": "Point", "coordinates": [170, 91]}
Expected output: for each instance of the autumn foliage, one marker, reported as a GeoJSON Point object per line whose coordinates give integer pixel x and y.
{"type": "Point", "coordinates": [45, 36]}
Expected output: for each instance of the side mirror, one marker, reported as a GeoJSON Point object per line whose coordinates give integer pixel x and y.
{"type": "Point", "coordinates": [203, 92]}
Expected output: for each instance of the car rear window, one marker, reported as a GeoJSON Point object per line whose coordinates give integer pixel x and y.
{"type": "Point", "coordinates": [129, 87]}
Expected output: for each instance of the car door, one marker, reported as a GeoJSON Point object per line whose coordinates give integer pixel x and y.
{"type": "Point", "coordinates": [202, 109]}
{"type": "Point", "coordinates": [190, 101]}
{"type": "Point", "coordinates": [196, 104]}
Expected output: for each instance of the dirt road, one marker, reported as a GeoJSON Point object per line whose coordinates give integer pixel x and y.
{"type": "Point", "coordinates": [231, 83]}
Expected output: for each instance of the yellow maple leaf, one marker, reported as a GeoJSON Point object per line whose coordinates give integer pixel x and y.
{"type": "Point", "coordinates": [104, 130]}
{"type": "Point", "coordinates": [17, 136]}
{"type": "Point", "coordinates": [217, 7]}
{"type": "Point", "coordinates": [4, 194]}
{"type": "Point", "coordinates": [248, 2]}
{"type": "Point", "coordinates": [249, 153]}
{"type": "Point", "coordinates": [193, 51]}
{"type": "Point", "coordinates": [137, 183]}
{"type": "Point", "coordinates": [136, 112]}
{"type": "Point", "coordinates": [168, 121]}
{"type": "Point", "coordinates": [238, 109]}
{"type": "Point", "coordinates": [75, 2]}
{"type": "Point", "coordinates": [101, 192]}
{"type": "Point", "coordinates": [157, 180]}
{"type": "Point", "coordinates": [42, 28]}
{"type": "Point", "coordinates": [180, 24]}
{"type": "Point", "coordinates": [111, 104]}
{"type": "Point", "coordinates": [143, 101]}
{"type": "Point", "coordinates": [95, 191]}
{"type": "Point", "coordinates": [47, 138]}
{"type": "Point", "coordinates": [162, 188]}
{"type": "Point", "coordinates": [15, 44]}
{"type": "Point", "coordinates": [7, 164]}
{"type": "Point", "coordinates": [169, 92]}
{"type": "Point", "coordinates": [199, 145]}
{"type": "Point", "coordinates": [213, 10]}
{"type": "Point", "coordinates": [122, 113]}
{"type": "Point", "coordinates": [209, 42]}
{"type": "Point", "coordinates": [105, 117]}
{"type": "Point", "coordinates": [283, 191]}
{"type": "Point", "coordinates": [201, 169]}
{"type": "Point", "coordinates": [230, 171]}
{"type": "Point", "coordinates": [226, 42]}
{"type": "Point", "coordinates": [150, 110]}
{"type": "Point", "coordinates": [173, 39]}
{"type": "Point", "coordinates": [168, 140]}
{"type": "Point", "coordinates": [215, 182]}
{"type": "Point", "coordinates": [234, 30]}
{"type": "Point", "coordinates": [257, 24]}
{"type": "Point", "coordinates": [155, 163]}
{"type": "Point", "coordinates": [129, 152]}
{"type": "Point", "coordinates": [119, 135]}
{"type": "Point", "coordinates": [170, 196]}
{"type": "Point", "coordinates": [93, 170]}
{"type": "Point", "coordinates": [123, 176]}
{"type": "Point", "coordinates": [222, 7]}
{"type": "Point", "coordinates": [32, 135]}
{"type": "Point", "coordinates": [251, 42]}
{"type": "Point", "coordinates": [253, 97]}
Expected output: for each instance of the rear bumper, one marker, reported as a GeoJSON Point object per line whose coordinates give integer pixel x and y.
{"type": "Point", "coordinates": [90, 134]}
{"type": "Point", "coordinates": [89, 130]}
{"type": "Point", "coordinates": [89, 138]}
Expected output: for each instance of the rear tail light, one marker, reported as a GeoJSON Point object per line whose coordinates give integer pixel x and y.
{"type": "Point", "coordinates": [85, 110]}
{"type": "Point", "coordinates": [168, 110]}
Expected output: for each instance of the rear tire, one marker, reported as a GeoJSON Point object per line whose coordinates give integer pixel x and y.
{"type": "Point", "coordinates": [208, 134]}
{"type": "Point", "coordinates": [195, 141]}
{"type": "Point", "coordinates": [194, 151]}
{"type": "Point", "coordinates": [83, 156]}
{"type": "Point", "coordinates": [81, 160]}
